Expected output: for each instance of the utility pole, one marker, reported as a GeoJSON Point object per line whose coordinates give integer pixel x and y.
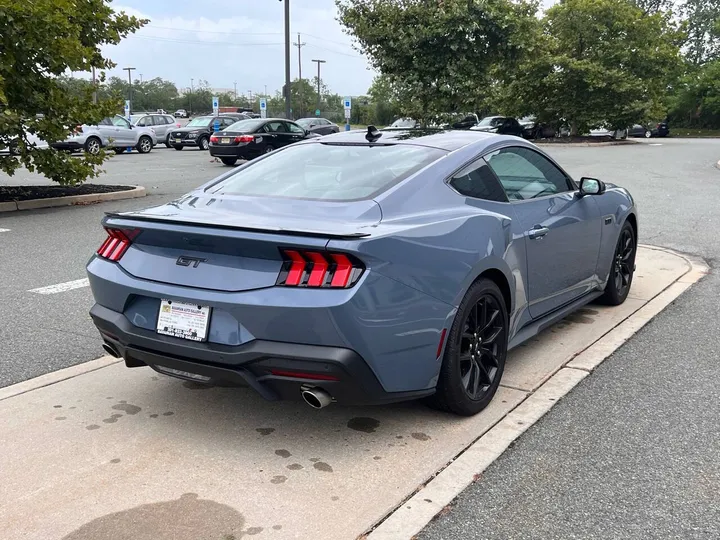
{"type": "Point", "coordinates": [300, 45]}
{"type": "Point", "coordinates": [130, 69]}
{"type": "Point", "coordinates": [287, 59]}
{"type": "Point", "coordinates": [235, 83]}
{"type": "Point", "coordinates": [266, 91]}
{"type": "Point", "coordinates": [141, 78]}
{"type": "Point", "coordinates": [191, 93]}
{"type": "Point", "coordinates": [94, 86]}
{"type": "Point", "coordinates": [318, 63]}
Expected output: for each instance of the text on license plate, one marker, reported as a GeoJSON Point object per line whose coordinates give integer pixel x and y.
{"type": "Point", "coordinates": [183, 320]}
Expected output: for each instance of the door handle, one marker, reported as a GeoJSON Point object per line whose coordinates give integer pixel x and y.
{"type": "Point", "coordinates": [537, 232]}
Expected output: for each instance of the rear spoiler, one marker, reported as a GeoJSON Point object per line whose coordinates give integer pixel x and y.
{"type": "Point", "coordinates": [264, 229]}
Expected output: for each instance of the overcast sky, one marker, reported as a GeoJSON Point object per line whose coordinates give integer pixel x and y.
{"type": "Point", "coordinates": [224, 42]}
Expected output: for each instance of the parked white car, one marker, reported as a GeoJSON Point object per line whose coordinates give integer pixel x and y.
{"type": "Point", "coordinates": [608, 132]}
{"type": "Point", "coordinates": [32, 139]}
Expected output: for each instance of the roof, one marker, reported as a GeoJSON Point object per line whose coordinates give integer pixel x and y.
{"type": "Point", "coordinates": [449, 140]}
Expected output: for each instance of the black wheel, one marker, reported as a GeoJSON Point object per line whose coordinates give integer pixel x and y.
{"type": "Point", "coordinates": [475, 352]}
{"type": "Point", "coordinates": [177, 146]}
{"type": "Point", "coordinates": [268, 149]}
{"type": "Point", "coordinates": [648, 133]}
{"type": "Point", "coordinates": [167, 141]}
{"type": "Point", "coordinates": [623, 267]}
{"type": "Point", "coordinates": [144, 145]}
{"type": "Point", "coordinates": [204, 143]}
{"type": "Point", "coordinates": [229, 160]}
{"type": "Point", "coordinates": [118, 150]}
{"type": "Point", "coordinates": [92, 146]}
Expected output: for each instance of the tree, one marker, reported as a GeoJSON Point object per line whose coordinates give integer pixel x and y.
{"type": "Point", "coordinates": [602, 62]}
{"type": "Point", "coordinates": [653, 6]}
{"type": "Point", "coordinates": [40, 41]}
{"type": "Point", "coordinates": [697, 99]}
{"type": "Point", "coordinates": [703, 30]}
{"type": "Point", "coordinates": [384, 103]}
{"type": "Point", "coordinates": [440, 54]}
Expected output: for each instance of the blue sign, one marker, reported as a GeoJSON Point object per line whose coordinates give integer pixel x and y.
{"type": "Point", "coordinates": [348, 103]}
{"type": "Point", "coordinates": [263, 104]}
{"type": "Point", "coordinates": [216, 125]}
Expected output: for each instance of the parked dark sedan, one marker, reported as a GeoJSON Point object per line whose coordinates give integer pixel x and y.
{"type": "Point", "coordinates": [503, 125]}
{"type": "Point", "coordinates": [248, 139]}
{"type": "Point", "coordinates": [197, 132]}
{"type": "Point", "coordinates": [321, 126]}
{"type": "Point", "coordinates": [466, 122]}
{"type": "Point", "coordinates": [661, 129]}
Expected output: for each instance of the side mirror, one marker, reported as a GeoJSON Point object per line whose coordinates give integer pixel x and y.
{"type": "Point", "coordinates": [591, 186]}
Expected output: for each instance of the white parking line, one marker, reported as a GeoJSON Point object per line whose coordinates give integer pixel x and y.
{"type": "Point", "coordinates": [62, 287]}
{"type": "Point", "coordinates": [4, 230]}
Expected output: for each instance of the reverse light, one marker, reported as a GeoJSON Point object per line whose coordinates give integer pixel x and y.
{"type": "Point", "coordinates": [117, 243]}
{"type": "Point", "coordinates": [317, 269]}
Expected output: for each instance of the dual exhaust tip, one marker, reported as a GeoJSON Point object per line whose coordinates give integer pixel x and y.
{"type": "Point", "coordinates": [317, 398]}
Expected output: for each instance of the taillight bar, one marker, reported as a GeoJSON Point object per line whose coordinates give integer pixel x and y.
{"type": "Point", "coordinates": [317, 269]}
{"type": "Point", "coordinates": [117, 243]}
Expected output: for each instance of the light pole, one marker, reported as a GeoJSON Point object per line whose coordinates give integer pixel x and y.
{"type": "Point", "coordinates": [129, 69]}
{"type": "Point", "coordinates": [287, 59]}
{"type": "Point", "coordinates": [300, 45]}
{"type": "Point", "coordinates": [191, 93]}
{"type": "Point", "coordinates": [235, 83]}
{"type": "Point", "coordinates": [318, 63]}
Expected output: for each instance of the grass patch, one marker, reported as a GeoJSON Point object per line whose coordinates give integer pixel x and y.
{"type": "Point", "coordinates": [692, 132]}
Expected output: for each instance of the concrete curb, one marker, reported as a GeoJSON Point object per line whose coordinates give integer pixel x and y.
{"type": "Point", "coordinates": [576, 144]}
{"type": "Point", "coordinates": [414, 513]}
{"type": "Point", "coordinates": [56, 377]}
{"type": "Point", "coordinates": [52, 202]}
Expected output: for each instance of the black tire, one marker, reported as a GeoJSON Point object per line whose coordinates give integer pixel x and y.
{"type": "Point", "coordinates": [167, 141]}
{"type": "Point", "coordinates": [144, 144]}
{"type": "Point", "coordinates": [178, 146]}
{"type": "Point", "coordinates": [119, 150]}
{"type": "Point", "coordinates": [622, 268]}
{"type": "Point", "coordinates": [93, 146]}
{"type": "Point", "coordinates": [229, 161]}
{"type": "Point", "coordinates": [268, 149]}
{"type": "Point", "coordinates": [204, 143]}
{"type": "Point", "coordinates": [471, 370]}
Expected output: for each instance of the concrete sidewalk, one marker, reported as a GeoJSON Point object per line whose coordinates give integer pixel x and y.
{"type": "Point", "coordinates": [128, 454]}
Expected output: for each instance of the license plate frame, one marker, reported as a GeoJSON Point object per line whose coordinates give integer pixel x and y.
{"type": "Point", "coordinates": [183, 320]}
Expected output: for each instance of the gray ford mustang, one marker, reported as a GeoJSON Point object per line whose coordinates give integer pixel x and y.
{"type": "Point", "coordinates": [363, 267]}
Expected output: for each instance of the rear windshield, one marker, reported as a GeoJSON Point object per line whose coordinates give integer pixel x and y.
{"type": "Point", "coordinates": [328, 172]}
{"type": "Point", "coordinates": [245, 125]}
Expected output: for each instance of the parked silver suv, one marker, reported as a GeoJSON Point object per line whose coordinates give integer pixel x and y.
{"type": "Point", "coordinates": [161, 124]}
{"type": "Point", "coordinates": [87, 138]}
{"type": "Point", "coordinates": [121, 135]}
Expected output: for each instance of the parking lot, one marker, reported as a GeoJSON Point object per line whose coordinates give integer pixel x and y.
{"type": "Point", "coordinates": [139, 444]}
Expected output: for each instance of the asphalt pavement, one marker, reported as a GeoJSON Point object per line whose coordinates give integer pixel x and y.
{"type": "Point", "coordinates": [632, 452]}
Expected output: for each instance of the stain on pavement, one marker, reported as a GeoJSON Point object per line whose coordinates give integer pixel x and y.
{"type": "Point", "coordinates": [366, 425]}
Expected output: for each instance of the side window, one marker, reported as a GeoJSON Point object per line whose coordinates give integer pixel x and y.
{"type": "Point", "coordinates": [158, 120]}
{"type": "Point", "coordinates": [145, 121]}
{"type": "Point", "coordinates": [526, 174]}
{"type": "Point", "coordinates": [119, 121]}
{"type": "Point", "coordinates": [274, 127]}
{"type": "Point", "coordinates": [294, 128]}
{"type": "Point", "coordinates": [106, 122]}
{"type": "Point", "coordinates": [477, 181]}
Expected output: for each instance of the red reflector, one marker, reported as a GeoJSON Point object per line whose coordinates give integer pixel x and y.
{"type": "Point", "coordinates": [442, 342]}
{"type": "Point", "coordinates": [320, 266]}
{"type": "Point", "coordinates": [214, 139]}
{"type": "Point", "coordinates": [117, 243]}
{"type": "Point", "coordinates": [342, 272]}
{"type": "Point", "coordinates": [244, 138]}
{"type": "Point", "coordinates": [300, 375]}
{"type": "Point", "coordinates": [296, 269]}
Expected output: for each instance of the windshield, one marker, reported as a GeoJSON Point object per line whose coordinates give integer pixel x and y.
{"type": "Point", "coordinates": [328, 172]}
{"type": "Point", "coordinates": [404, 123]}
{"type": "Point", "coordinates": [490, 121]}
{"type": "Point", "coordinates": [245, 125]}
{"type": "Point", "coordinates": [200, 121]}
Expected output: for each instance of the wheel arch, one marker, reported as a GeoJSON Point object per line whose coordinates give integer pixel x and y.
{"type": "Point", "coordinates": [498, 277]}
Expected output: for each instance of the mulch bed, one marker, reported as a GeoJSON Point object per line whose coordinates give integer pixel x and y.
{"type": "Point", "coordinates": [26, 193]}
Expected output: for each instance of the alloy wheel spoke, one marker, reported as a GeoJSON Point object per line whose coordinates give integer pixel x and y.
{"type": "Point", "coordinates": [489, 322]}
{"type": "Point", "coordinates": [476, 378]}
{"type": "Point", "coordinates": [493, 336]}
{"type": "Point", "coordinates": [489, 356]}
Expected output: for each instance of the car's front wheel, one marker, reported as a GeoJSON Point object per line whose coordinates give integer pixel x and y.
{"type": "Point", "coordinates": [92, 146]}
{"type": "Point", "coordinates": [648, 134]}
{"type": "Point", "coordinates": [144, 145]}
{"type": "Point", "coordinates": [475, 352]}
{"type": "Point", "coordinates": [622, 269]}
{"type": "Point", "coordinates": [204, 143]}
{"type": "Point", "coordinates": [167, 141]}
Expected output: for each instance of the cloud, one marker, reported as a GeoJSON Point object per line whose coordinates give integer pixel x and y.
{"type": "Point", "coordinates": [243, 43]}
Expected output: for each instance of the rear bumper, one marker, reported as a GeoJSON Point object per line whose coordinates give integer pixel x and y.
{"type": "Point", "coordinates": [240, 152]}
{"type": "Point", "coordinates": [339, 371]}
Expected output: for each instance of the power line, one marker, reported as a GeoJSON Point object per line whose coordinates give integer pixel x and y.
{"type": "Point", "coordinates": [334, 51]}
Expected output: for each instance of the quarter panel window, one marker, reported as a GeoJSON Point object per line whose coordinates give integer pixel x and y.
{"type": "Point", "coordinates": [477, 181]}
{"type": "Point", "coordinates": [526, 174]}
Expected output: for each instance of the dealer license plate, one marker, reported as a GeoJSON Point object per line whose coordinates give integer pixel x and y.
{"type": "Point", "coordinates": [183, 320]}
{"type": "Point", "coordinates": [225, 140]}
{"type": "Point", "coordinates": [178, 140]}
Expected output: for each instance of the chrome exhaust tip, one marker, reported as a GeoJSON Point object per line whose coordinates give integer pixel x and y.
{"type": "Point", "coordinates": [317, 398]}
{"type": "Point", "coordinates": [111, 350]}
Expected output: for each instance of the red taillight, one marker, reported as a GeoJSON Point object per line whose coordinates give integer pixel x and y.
{"type": "Point", "coordinates": [317, 269]}
{"type": "Point", "coordinates": [117, 243]}
{"type": "Point", "coordinates": [214, 139]}
{"type": "Point", "coordinates": [244, 138]}
{"type": "Point", "coordinates": [301, 375]}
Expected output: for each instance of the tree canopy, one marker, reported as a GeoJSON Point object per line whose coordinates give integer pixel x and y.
{"type": "Point", "coordinates": [40, 41]}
